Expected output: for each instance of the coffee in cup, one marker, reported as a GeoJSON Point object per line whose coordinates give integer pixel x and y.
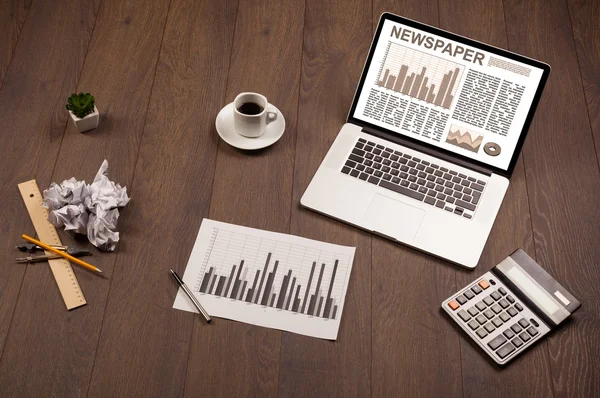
{"type": "Point", "coordinates": [252, 114]}
{"type": "Point", "coordinates": [250, 108]}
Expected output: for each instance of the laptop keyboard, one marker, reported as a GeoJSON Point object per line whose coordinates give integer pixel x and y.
{"type": "Point", "coordinates": [419, 179]}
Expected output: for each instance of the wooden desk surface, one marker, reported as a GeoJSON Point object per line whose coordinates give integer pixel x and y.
{"type": "Point", "coordinates": [160, 71]}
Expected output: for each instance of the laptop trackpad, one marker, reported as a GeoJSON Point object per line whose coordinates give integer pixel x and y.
{"type": "Point", "coordinates": [393, 218]}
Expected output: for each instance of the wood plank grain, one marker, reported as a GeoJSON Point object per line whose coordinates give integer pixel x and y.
{"type": "Point", "coordinates": [252, 189]}
{"type": "Point", "coordinates": [585, 15]}
{"type": "Point", "coordinates": [560, 161]}
{"type": "Point", "coordinates": [530, 375]}
{"type": "Point", "coordinates": [414, 351]}
{"type": "Point", "coordinates": [119, 67]}
{"type": "Point", "coordinates": [144, 345]}
{"type": "Point", "coordinates": [336, 42]}
{"type": "Point", "coordinates": [30, 100]}
{"type": "Point", "coordinates": [12, 18]}
{"type": "Point", "coordinates": [422, 11]}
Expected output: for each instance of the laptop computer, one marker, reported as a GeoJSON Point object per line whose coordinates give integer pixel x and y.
{"type": "Point", "coordinates": [432, 137]}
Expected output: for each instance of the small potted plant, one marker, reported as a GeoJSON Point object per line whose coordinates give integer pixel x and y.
{"type": "Point", "coordinates": [83, 111]}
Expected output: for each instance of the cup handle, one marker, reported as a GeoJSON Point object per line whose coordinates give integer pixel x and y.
{"type": "Point", "coordinates": [271, 114]}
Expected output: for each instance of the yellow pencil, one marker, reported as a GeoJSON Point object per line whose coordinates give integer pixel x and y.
{"type": "Point", "coordinates": [61, 253]}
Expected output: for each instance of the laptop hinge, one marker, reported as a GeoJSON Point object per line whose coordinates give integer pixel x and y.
{"type": "Point", "coordinates": [432, 152]}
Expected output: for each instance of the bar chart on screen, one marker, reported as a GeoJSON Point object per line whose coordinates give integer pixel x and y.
{"type": "Point", "coordinates": [419, 75]}
{"type": "Point", "coordinates": [269, 279]}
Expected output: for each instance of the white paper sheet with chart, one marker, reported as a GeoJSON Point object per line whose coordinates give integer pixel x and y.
{"type": "Point", "coordinates": [268, 279]}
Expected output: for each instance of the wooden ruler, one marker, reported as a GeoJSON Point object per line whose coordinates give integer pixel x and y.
{"type": "Point", "coordinates": [46, 232]}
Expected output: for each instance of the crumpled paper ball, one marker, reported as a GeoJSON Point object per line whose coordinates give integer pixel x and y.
{"type": "Point", "coordinates": [102, 229]}
{"type": "Point", "coordinates": [105, 194]}
{"type": "Point", "coordinates": [90, 210]}
{"type": "Point", "coordinates": [69, 192]}
{"type": "Point", "coordinates": [72, 217]}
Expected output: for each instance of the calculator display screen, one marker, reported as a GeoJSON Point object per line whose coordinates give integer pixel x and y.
{"type": "Point", "coordinates": [539, 296]}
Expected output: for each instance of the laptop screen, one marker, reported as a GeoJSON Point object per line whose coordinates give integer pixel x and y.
{"type": "Point", "coordinates": [450, 92]}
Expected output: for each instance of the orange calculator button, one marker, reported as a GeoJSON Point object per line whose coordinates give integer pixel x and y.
{"type": "Point", "coordinates": [453, 304]}
{"type": "Point", "coordinates": [484, 284]}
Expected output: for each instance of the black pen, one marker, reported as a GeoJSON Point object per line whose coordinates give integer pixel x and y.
{"type": "Point", "coordinates": [191, 296]}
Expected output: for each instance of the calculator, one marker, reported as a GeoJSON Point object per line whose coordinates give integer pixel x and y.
{"type": "Point", "coordinates": [512, 306]}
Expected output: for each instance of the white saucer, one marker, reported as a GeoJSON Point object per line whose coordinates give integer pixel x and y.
{"type": "Point", "coordinates": [272, 134]}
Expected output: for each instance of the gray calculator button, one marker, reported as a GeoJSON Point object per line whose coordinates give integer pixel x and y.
{"type": "Point", "coordinates": [488, 300]}
{"type": "Point", "coordinates": [463, 315]}
{"type": "Point", "coordinates": [511, 311]}
{"type": "Point", "coordinates": [468, 294]}
{"type": "Point", "coordinates": [525, 337]}
{"type": "Point", "coordinates": [519, 307]}
{"type": "Point", "coordinates": [517, 342]}
{"type": "Point", "coordinates": [489, 327]}
{"type": "Point", "coordinates": [497, 342]}
{"type": "Point", "coordinates": [532, 331]}
{"type": "Point", "coordinates": [502, 291]}
{"type": "Point", "coordinates": [510, 299]}
{"type": "Point", "coordinates": [489, 314]}
{"type": "Point", "coordinates": [497, 322]}
{"type": "Point", "coordinates": [508, 334]}
{"type": "Point", "coordinates": [473, 311]}
{"type": "Point", "coordinates": [476, 289]}
{"type": "Point", "coordinates": [461, 300]}
{"type": "Point", "coordinates": [516, 328]}
{"type": "Point", "coordinates": [481, 333]}
{"type": "Point", "coordinates": [505, 350]}
{"type": "Point", "coordinates": [495, 295]}
{"type": "Point", "coordinates": [523, 322]}
{"type": "Point", "coordinates": [481, 319]}
{"type": "Point", "coordinates": [504, 316]}
{"type": "Point", "coordinates": [503, 303]}
{"type": "Point", "coordinates": [496, 309]}
{"type": "Point", "coordinates": [473, 324]}
{"type": "Point", "coordinates": [481, 306]}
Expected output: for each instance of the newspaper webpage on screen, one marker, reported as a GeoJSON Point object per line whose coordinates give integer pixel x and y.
{"type": "Point", "coordinates": [448, 94]}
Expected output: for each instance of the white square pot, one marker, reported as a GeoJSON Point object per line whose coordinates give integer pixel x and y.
{"type": "Point", "coordinates": [88, 122]}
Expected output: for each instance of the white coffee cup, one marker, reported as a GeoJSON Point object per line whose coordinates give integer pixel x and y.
{"type": "Point", "coordinates": [259, 113]}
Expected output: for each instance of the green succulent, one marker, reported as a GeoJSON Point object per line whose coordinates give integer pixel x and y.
{"type": "Point", "coordinates": [81, 104]}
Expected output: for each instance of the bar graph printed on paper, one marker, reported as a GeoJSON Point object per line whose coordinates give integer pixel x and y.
{"type": "Point", "coordinates": [269, 279]}
{"type": "Point", "coordinates": [286, 296]}
{"type": "Point", "coordinates": [419, 75]}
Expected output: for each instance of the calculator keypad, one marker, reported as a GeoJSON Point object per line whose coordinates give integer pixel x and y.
{"type": "Point", "coordinates": [473, 311]}
{"type": "Point", "coordinates": [494, 317]}
{"type": "Point", "coordinates": [463, 315]}
{"type": "Point", "coordinates": [505, 350]}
